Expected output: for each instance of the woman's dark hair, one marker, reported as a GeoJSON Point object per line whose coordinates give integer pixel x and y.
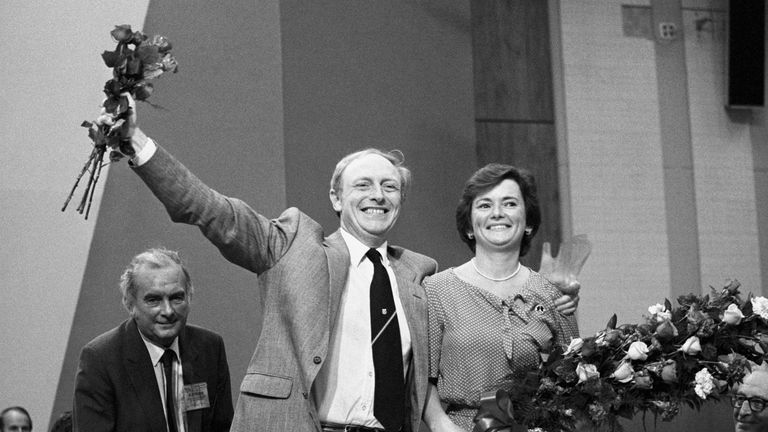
{"type": "Point", "coordinates": [485, 179]}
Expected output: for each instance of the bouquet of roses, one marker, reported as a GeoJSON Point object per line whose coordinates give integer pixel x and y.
{"type": "Point", "coordinates": [684, 355]}
{"type": "Point", "coordinates": [132, 68]}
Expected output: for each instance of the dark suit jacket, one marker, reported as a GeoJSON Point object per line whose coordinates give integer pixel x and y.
{"type": "Point", "coordinates": [301, 276]}
{"type": "Point", "coordinates": [116, 388]}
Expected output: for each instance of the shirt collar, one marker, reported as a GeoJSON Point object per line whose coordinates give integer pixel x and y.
{"type": "Point", "coordinates": [357, 249]}
{"type": "Point", "coordinates": [155, 352]}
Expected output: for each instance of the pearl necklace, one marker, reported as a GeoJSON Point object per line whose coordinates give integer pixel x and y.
{"type": "Point", "coordinates": [501, 279]}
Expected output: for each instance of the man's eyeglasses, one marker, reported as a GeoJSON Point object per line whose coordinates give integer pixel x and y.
{"type": "Point", "coordinates": [756, 404]}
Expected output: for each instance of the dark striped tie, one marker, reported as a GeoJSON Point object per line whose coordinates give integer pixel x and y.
{"type": "Point", "coordinates": [170, 395]}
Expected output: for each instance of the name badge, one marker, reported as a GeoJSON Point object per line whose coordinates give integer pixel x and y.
{"type": "Point", "coordinates": [196, 396]}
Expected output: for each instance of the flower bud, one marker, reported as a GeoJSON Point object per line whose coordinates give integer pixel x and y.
{"type": "Point", "coordinates": [586, 371]}
{"type": "Point", "coordinates": [760, 306]}
{"type": "Point", "coordinates": [624, 372]}
{"type": "Point", "coordinates": [638, 351]}
{"type": "Point", "coordinates": [666, 330]}
{"type": "Point", "coordinates": [704, 383]}
{"type": "Point", "coordinates": [669, 372]}
{"type": "Point", "coordinates": [574, 346]}
{"type": "Point", "coordinates": [691, 346]}
{"type": "Point", "coordinates": [695, 316]}
{"type": "Point", "coordinates": [613, 337]}
{"type": "Point", "coordinates": [122, 33]}
{"type": "Point", "coordinates": [643, 381]}
{"type": "Point", "coordinates": [733, 315]}
{"type": "Point", "coordinates": [659, 312]}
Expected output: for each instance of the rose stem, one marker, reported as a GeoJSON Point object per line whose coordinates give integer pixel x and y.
{"type": "Point", "coordinates": [94, 161]}
{"type": "Point", "coordinates": [100, 158]}
{"type": "Point", "coordinates": [85, 167]}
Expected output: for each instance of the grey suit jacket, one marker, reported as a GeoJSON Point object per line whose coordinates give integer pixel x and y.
{"type": "Point", "coordinates": [116, 388]}
{"type": "Point", "coordinates": [301, 276]}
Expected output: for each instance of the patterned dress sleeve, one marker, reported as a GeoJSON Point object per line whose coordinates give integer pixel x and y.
{"type": "Point", "coordinates": [436, 321]}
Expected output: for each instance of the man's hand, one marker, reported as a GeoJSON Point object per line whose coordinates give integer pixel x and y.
{"type": "Point", "coordinates": [123, 127]}
{"type": "Point", "coordinates": [563, 270]}
{"type": "Point", "coordinates": [567, 304]}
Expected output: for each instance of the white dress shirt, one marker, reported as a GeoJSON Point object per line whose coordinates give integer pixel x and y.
{"type": "Point", "coordinates": [344, 388]}
{"type": "Point", "coordinates": [155, 352]}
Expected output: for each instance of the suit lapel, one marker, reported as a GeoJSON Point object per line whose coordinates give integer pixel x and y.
{"type": "Point", "coordinates": [189, 353]}
{"type": "Point", "coordinates": [408, 293]}
{"type": "Point", "coordinates": [142, 375]}
{"type": "Point", "coordinates": [338, 269]}
{"type": "Point", "coordinates": [415, 312]}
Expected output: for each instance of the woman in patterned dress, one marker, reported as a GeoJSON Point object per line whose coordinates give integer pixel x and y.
{"type": "Point", "coordinates": [490, 317]}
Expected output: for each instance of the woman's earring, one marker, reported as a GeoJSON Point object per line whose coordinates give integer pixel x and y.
{"type": "Point", "coordinates": [470, 235]}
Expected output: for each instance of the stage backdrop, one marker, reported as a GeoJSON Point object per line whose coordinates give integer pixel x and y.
{"type": "Point", "coordinates": [268, 97]}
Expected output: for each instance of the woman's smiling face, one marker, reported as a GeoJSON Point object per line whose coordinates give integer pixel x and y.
{"type": "Point", "coordinates": [498, 217]}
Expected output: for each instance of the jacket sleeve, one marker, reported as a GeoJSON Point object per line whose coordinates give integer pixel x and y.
{"type": "Point", "coordinates": [94, 402]}
{"type": "Point", "coordinates": [244, 237]}
{"type": "Point", "coordinates": [222, 411]}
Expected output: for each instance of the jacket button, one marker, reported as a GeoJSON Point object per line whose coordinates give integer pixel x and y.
{"type": "Point", "coordinates": [317, 359]}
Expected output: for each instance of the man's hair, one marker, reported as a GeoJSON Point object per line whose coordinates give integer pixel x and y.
{"type": "Point", "coordinates": [395, 157]}
{"type": "Point", "coordinates": [15, 408]}
{"type": "Point", "coordinates": [155, 258]}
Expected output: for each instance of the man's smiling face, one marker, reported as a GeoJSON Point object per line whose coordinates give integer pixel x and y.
{"type": "Point", "coordinates": [369, 198]}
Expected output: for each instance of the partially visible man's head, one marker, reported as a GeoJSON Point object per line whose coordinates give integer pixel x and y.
{"type": "Point", "coordinates": [156, 291]}
{"type": "Point", "coordinates": [750, 401]}
{"type": "Point", "coordinates": [367, 190]}
{"type": "Point", "coordinates": [15, 419]}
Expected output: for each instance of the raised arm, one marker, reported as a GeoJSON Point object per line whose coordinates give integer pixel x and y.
{"type": "Point", "coordinates": [243, 236]}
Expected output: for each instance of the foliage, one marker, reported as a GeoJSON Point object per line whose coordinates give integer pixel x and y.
{"type": "Point", "coordinates": [681, 356]}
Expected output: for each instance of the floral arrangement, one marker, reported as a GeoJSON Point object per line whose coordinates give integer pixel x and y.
{"type": "Point", "coordinates": [686, 355]}
{"type": "Point", "coordinates": [132, 69]}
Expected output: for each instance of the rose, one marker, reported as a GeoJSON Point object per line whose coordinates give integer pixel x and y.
{"type": "Point", "coordinates": [122, 33]}
{"type": "Point", "coordinates": [733, 315]}
{"type": "Point", "coordinates": [586, 372]}
{"type": "Point", "coordinates": [643, 380]}
{"type": "Point", "coordinates": [666, 330]}
{"type": "Point", "coordinates": [574, 346]}
{"type": "Point", "coordinates": [659, 312]}
{"type": "Point", "coordinates": [707, 328]}
{"type": "Point", "coordinates": [695, 316]}
{"type": "Point", "coordinates": [691, 346]}
{"type": "Point", "coordinates": [760, 306]}
{"type": "Point", "coordinates": [161, 42]}
{"type": "Point", "coordinates": [704, 383]}
{"type": "Point", "coordinates": [623, 372]}
{"type": "Point", "coordinates": [589, 347]}
{"type": "Point", "coordinates": [638, 351]}
{"type": "Point", "coordinates": [669, 372]}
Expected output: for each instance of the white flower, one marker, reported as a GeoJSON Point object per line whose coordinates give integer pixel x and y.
{"type": "Point", "coordinates": [574, 346]}
{"type": "Point", "coordinates": [660, 312]}
{"type": "Point", "coordinates": [105, 119]}
{"type": "Point", "coordinates": [691, 346]}
{"type": "Point", "coordinates": [704, 383]}
{"type": "Point", "coordinates": [733, 315]}
{"type": "Point", "coordinates": [624, 373]}
{"type": "Point", "coordinates": [638, 351]}
{"type": "Point", "coordinates": [760, 306]}
{"type": "Point", "coordinates": [586, 371]}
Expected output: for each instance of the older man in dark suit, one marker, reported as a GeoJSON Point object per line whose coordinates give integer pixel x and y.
{"type": "Point", "coordinates": [154, 372]}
